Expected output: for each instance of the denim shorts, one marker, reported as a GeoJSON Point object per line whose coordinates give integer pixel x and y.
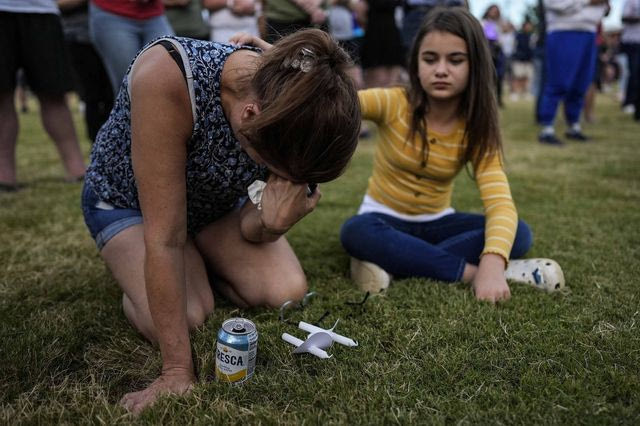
{"type": "Point", "coordinates": [104, 220]}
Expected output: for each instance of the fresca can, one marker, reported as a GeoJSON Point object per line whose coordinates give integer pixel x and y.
{"type": "Point", "coordinates": [236, 350]}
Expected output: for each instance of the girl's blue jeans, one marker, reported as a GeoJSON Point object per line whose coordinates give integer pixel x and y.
{"type": "Point", "coordinates": [437, 249]}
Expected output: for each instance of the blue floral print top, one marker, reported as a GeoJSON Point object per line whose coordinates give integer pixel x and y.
{"type": "Point", "coordinates": [218, 171]}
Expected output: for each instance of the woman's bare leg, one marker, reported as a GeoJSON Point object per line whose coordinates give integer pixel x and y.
{"type": "Point", "coordinates": [265, 274]}
{"type": "Point", "coordinates": [124, 255]}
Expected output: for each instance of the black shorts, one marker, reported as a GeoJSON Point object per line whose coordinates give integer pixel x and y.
{"type": "Point", "coordinates": [35, 43]}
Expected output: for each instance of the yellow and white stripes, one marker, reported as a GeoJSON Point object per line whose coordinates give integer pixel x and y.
{"type": "Point", "coordinates": [399, 182]}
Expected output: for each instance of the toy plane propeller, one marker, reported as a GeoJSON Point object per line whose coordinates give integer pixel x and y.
{"type": "Point", "coordinates": [318, 340]}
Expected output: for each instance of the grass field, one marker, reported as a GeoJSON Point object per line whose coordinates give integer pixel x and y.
{"type": "Point", "coordinates": [429, 353]}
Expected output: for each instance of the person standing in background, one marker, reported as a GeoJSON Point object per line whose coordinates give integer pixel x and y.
{"type": "Point", "coordinates": [570, 61]}
{"type": "Point", "coordinates": [120, 28]}
{"type": "Point", "coordinates": [522, 64]}
{"type": "Point", "coordinates": [31, 38]}
{"type": "Point", "coordinates": [343, 28]}
{"type": "Point", "coordinates": [508, 43]}
{"type": "Point", "coordinates": [492, 26]}
{"type": "Point", "coordinates": [538, 58]}
{"type": "Point", "coordinates": [90, 78]}
{"type": "Point", "coordinates": [382, 54]}
{"type": "Point", "coordinates": [284, 17]}
{"type": "Point", "coordinates": [22, 91]}
{"type": "Point", "coordinates": [414, 12]}
{"type": "Point", "coordinates": [631, 48]}
{"type": "Point", "coordinates": [185, 17]}
{"type": "Point", "coordinates": [588, 109]}
{"type": "Point", "coordinates": [228, 17]}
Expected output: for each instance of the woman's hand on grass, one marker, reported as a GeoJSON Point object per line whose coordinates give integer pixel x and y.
{"type": "Point", "coordinates": [489, 283]}
{"type": "Point", "coordinates": [178, 381]}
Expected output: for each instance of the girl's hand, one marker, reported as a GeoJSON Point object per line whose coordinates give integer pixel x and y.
{"type": "Point", "coordinates": [489, 283]}
{"type": "Point", "coordinates": [284, 203]}
{"type": "Point", "coordinates": [170, 382]}
{"type": "Point", "coordinates": [243, 39]}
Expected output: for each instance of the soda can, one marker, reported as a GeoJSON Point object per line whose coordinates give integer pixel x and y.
{"type": "Point", "coordinates": [236, 350]}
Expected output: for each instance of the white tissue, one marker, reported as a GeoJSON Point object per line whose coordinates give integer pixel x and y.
{"type": "Point", "coordinates": [255, 191]}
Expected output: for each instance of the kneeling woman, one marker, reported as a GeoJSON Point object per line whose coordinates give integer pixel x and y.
{"type": "Point", "coordinates": [194, 125]}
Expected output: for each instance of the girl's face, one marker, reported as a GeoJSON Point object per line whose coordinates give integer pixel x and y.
{"type": "Point", "coordinates": [443, 66]}
{"type": "Point", "coordinates": [493, 13]}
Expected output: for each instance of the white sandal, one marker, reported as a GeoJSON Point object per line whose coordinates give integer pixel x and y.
{"type": "Point", "coordinates": [544, 274]}
{"type": "Point", "coordinates": [369, 276]}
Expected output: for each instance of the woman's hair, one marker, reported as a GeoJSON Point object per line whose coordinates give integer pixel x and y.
{"type": "Point", "coordinates": [478, 106]}
{"type": "Point", "coordinates": [489, 11]}
{"type": "Point", "coordinates": [310, 115]}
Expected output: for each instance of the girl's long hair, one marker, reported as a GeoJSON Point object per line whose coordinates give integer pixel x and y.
{"type": "Point", "coordinates": [478, 106]}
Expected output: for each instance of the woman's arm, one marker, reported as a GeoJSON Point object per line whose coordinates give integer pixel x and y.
{"type": "Point", "coordinates": [283, 204]}
{"type": "Point", "coordinates": [161, 123]}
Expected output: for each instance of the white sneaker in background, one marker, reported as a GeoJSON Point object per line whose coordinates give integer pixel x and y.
{"type": "Point", "coordinates": [629, 109]}
{"type": "Point", "coordinates": [369, 276]}
{"type": "Point", "coordinates": [544, 274]}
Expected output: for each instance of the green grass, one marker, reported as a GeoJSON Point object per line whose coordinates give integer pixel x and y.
{"type": "Point", "coordinates": [429, 353]}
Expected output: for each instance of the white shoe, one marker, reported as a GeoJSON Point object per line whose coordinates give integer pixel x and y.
{"type": "Point", "coordinates": [629, 109]}
{"type": "Point", "coordinates": [369, 276]}
{"type": "Point", "coordinates": [544, 274]}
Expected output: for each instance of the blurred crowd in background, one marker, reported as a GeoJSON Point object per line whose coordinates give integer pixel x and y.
{"type": "Point", "coordinates": [99, 38]}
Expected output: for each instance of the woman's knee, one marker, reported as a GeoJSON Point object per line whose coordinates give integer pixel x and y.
{"type": "Point", "coordinates": [293, 287]}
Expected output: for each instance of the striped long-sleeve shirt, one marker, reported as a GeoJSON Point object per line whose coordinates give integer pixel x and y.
{"type": "Point", "coordinates": [401, 183]}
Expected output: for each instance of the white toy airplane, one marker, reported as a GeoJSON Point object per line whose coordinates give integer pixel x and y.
{"type": "Point", "coordinates": [319, 339]}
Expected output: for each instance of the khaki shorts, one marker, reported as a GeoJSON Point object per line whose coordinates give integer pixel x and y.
{"type": "Point", "coordinates": [522, 70]}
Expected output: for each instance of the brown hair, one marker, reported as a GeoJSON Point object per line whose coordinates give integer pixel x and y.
{"type": "Point", "coordinates": [478, 106]}
{"type": "Point", "coordinates": [310, 118]}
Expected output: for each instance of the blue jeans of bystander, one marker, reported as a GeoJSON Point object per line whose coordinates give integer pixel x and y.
{"type": "Point", "coordinates": [118, 39]}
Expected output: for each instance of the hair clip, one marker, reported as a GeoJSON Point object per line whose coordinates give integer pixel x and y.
{"type": "Point", "coordinates": [303, 61]}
